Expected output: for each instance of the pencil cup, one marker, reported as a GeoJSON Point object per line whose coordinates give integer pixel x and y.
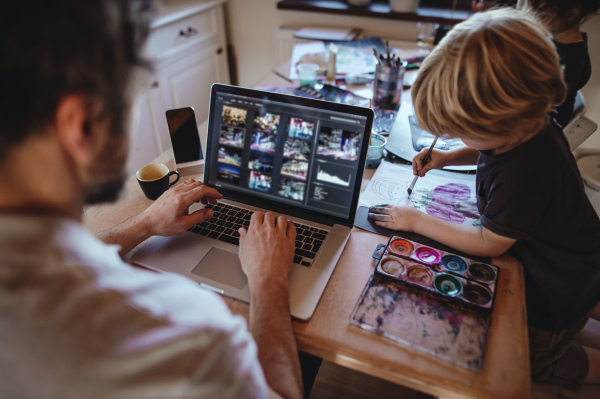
{"type": "Point", "coordinates": [388, 86]}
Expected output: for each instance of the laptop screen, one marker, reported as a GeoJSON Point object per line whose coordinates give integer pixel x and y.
{"type": "Point", "coordinates": [307, 156]}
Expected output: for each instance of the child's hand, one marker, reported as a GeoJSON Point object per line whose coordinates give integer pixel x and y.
{"type": "Point", "coordinates": [394, 217]}
{"type": "Point", "coordinates": [437, 160]}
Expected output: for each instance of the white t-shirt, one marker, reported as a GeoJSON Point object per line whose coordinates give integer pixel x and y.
{"type": "Point", "coordinates": [77, 322]}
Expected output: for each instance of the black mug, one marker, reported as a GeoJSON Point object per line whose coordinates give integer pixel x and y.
{"type": "Point", "coordinates": [155, 179]}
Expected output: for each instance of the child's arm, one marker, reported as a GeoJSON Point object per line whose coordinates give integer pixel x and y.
{"type": "Point", "coordinates": [439, 159]}
{"type": "Point", "coordinates": [476, 241]}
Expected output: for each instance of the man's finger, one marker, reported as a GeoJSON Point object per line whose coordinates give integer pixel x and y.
{"type": "Point", "coordinates": [281, 224]}
{"type": "Point", "coordinates": [201, 215]}
{"type": "Point", "coordinates": [291, 231]}
{"type": "Point", "coordinates": [270, 218]}
{"type": "Point", "coordinates": [257, 218]}
{"type": "Point", "coordinates": [197, 192]}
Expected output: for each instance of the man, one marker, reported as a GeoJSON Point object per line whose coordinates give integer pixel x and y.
{"type": "Point", "coordinates": [75, 321]}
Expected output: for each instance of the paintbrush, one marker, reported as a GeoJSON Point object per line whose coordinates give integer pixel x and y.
{"type": "Point", "coordinates": [425, 160]}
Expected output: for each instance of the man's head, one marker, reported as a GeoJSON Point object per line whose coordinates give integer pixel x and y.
{"type": "Point", "coordinates": [53, 50]}
{"type": "Point", "coordinates": [494, 75]}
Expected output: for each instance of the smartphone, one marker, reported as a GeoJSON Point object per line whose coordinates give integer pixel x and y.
{"type": "Point", "coordinates": [185, 138]}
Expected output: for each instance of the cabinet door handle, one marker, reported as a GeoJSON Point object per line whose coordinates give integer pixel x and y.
{"type": "Point", "coordinates": [154, 85]}
{"type": "Point", "coordinates": [190, 32]}
{"type": "Point", "coordinates": [220, 51]}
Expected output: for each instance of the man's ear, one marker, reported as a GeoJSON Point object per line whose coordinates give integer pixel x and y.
{"type": "Point", "coordinates": [73, 127]}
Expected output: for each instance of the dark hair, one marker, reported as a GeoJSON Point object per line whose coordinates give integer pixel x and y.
{"type": "Point", "coordinates": [556, 10]}
{"type": "Point", "coordinates": [52, 48]}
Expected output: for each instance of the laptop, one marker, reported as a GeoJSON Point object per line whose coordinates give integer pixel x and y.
{"type": "Point", "coordinates": [298, 157]}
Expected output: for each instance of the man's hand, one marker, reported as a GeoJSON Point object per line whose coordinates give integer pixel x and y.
{"type": "Point", "coordinates": [403, 218]}
{"type": "Point", "coordinates": [168, 215]}
{"type": "Point", "coordinates": [267, 254]}
{"type": "Point", "coordinates": [267, 247]}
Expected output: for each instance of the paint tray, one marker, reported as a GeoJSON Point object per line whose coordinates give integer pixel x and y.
{"type": "Point", "coordinates": [424, 321]}
{"type": "Point", "coordinates": [445, 274]}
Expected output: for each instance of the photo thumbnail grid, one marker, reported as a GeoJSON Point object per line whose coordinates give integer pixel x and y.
{"type": "Point", "coordinates": [334, 143]}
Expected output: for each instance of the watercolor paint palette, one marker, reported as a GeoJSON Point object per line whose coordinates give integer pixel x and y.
{"type": "Point", "coordinates": [442, 273]}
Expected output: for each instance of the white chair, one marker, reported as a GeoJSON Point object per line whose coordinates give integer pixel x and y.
{"type": "Point", "coordinates": [579, 127]}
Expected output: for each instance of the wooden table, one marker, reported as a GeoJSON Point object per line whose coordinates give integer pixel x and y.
{"type": "Point", "coordinates": [330, 335]}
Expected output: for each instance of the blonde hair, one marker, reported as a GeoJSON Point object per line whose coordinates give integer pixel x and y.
{"type": "Point", "coordinates": [495, 74]}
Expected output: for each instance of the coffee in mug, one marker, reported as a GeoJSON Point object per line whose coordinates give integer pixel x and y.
{"type": "Point", "coordinates": [155, 179]}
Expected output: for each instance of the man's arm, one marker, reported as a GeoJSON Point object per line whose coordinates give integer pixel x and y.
{"type": "Point", "coordinates": [266, 254]}
{"type": "Point", "coordinates": [167, 216]}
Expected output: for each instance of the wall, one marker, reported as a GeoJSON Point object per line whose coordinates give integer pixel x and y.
{"type": "Point", "coordinates": [251, 26]}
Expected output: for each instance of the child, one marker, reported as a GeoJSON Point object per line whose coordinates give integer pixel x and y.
{"type": "Point", "coordinates": [492, 82]}
{"type": "Point", "coordinates": [563, 18]}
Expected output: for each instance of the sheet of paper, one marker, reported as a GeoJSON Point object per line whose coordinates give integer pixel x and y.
{"type": "Point", "coordinates": [453, 200]}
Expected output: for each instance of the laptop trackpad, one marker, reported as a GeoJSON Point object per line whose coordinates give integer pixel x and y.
{"type": "Point", "coordinates": [222, 266]}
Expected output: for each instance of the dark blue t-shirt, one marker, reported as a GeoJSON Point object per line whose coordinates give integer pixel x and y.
{"type": "Point", "coordinates": [534, 194]}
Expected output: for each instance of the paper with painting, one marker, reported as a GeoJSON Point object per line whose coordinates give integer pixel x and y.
{"type": "Point", "coordinates": [450, 199]}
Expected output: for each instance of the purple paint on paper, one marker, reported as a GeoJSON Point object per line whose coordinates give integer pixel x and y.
{"type": "Point", "coordinates": [450, 202]}
{"type": "Point", "coordinates": [451, 193]}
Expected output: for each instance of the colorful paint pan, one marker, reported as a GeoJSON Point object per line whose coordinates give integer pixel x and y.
{"type": "Point", "coordinates": [393, 266]}
{"type": "Point", "coordinates": [477, 294]}
{"type": "Point", "coordinates": [401, 246]}
{"type": "Point", "coordinates": [454, 263]}
{"type": "Point", "coordinates": [420, 275]}
{"type": "Point", "coordinates": [482, 272]}
{"type": "Point", "coordinates": [445, 274]}
{"type": "Point", "coordinates": [448, 284]}
{"type": "Point", "coordinates": [427, 255]}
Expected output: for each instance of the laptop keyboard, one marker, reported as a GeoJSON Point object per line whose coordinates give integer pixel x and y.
{"type": "Point", "coordinates": [228, 219]}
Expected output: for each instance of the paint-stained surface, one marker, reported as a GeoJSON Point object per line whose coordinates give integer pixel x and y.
{"type": "Point", "coordinates": [424, 321]}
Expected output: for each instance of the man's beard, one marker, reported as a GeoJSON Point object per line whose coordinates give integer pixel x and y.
{"type": "Point", "coordinates": [107, 191]}
{"type": "Point", "coordinates": [109, 173]}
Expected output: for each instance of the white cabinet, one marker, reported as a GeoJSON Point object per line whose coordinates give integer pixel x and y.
{"type": "Point", "coordinates": [187, 45]}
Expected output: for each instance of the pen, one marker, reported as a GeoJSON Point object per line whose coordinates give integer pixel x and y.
{"type": "Point", "coordinates": [282, 76]}
{"type": "Point", "coordinates": [425, 160]}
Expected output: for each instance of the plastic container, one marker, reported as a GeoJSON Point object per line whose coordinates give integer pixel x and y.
{"type": "Point", "coordinates": [589, 166]}
{"type": "Point", "coordinates": [375, 152]}
{"type": "Point", "coordinates": [307, 73]}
